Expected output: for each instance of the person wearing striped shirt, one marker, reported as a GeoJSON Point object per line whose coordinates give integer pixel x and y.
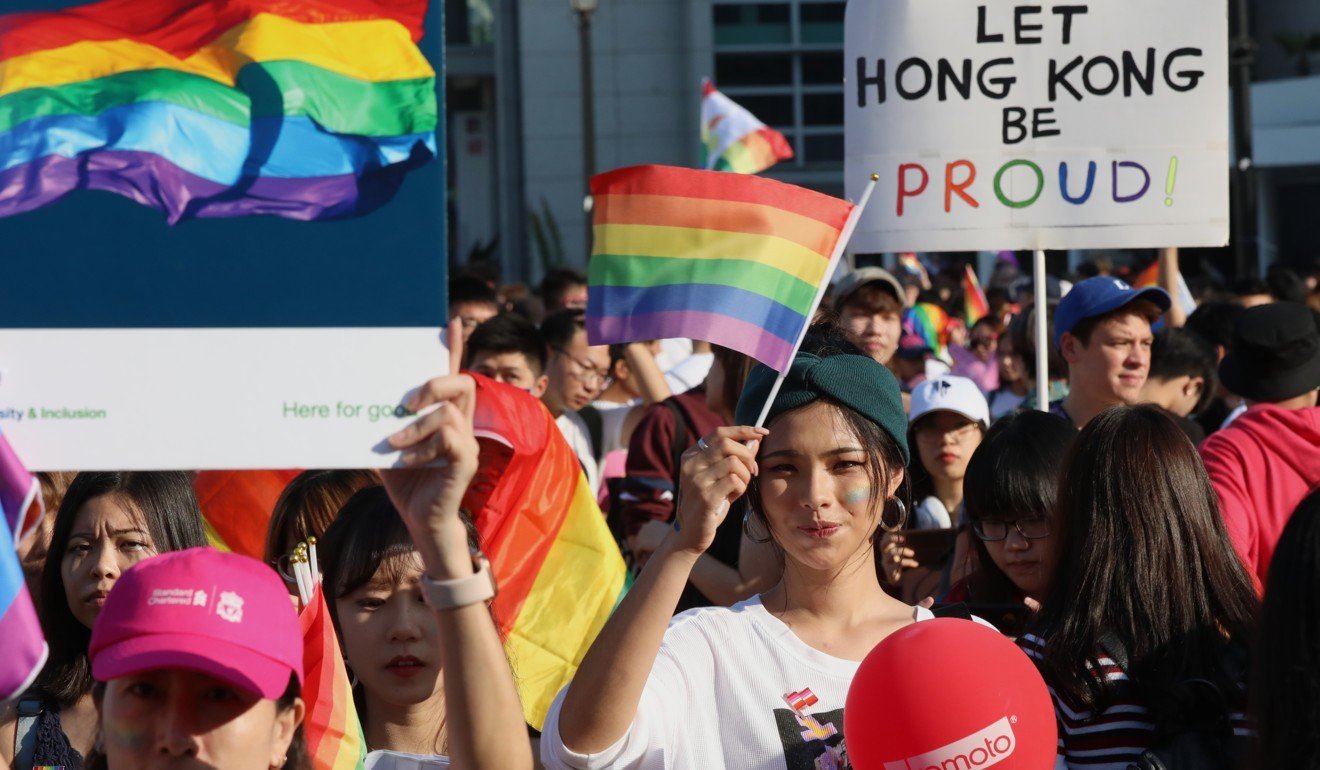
{"type": "Point", "coordinates": [1146, 628]}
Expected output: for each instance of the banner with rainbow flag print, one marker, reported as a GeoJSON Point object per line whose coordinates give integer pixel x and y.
{"type": "Point", "coordinates": [732, 259]}
{"type": "Point", "coordinates": [559, 571]}
{"type": "Point", "coordinates": [733, 139]}
{"type": "Point", "coordinates": [303, 109]}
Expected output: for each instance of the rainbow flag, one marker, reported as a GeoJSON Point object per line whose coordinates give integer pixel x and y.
{"type": "Point", "coordinates": [931, 323]}
{"type": "Point", "coordinates": [559, 572]}
{"type": "Point", "coordinates": [24, 644]}
{"type": "Point", "coordinates": [236, 507]}
{"type": "Point", "coordinates": [975, 305]}
{"type": "Point", "coordinates": [304, 109]}
{"type": "Point", "coordinates": [732, 259]}
{"type": "Point", "coordinates": [732, 139]}
{"type": "Point", "coordinates": [911, 264]}
{"type": "Point", "coordinates": [331, 725]}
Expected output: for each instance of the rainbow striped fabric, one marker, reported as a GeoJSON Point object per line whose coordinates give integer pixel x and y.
{"type": "Point", "coordinates": [1151, 277]}
{"type": "Point", "coordinates": [331, 725]}
{"type": "Point", "coordinates": [733, 139]}
{"type": "Point", "coordinates": [975, 305]}
{"type": "Point", "coordinates": [929, 321]}
{"type": "Point", "coordinates": [559, 572]}
{"type": "Point", "coordinates": [304, 109]}
{"type": "Point", "coordinates": [732, 259]}
{"type": "Point", "coordinates": [237, 505]}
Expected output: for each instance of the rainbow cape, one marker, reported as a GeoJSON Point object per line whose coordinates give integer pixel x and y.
{"type": "Point", "coordinates": [331, 726]}
{"type": "Point", "coordinates": [975, 305]}
{"type": "Point", "coordinates": [305, 109]}
{"type": "Point", "coordinates": [24, 644]}
{"type": "Point", "coordinates": [732, 139]}
{"type": "Point", "coordinates": [559, 572]}
{"type": "Point", "coordinates": [732, 259]}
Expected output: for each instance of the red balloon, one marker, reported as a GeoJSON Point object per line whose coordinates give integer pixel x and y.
{"type": "Point", "coordinates": [949, 694]}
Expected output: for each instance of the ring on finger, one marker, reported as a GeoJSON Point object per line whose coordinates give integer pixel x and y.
{"type": "Point", "coordinates": [702, 445]}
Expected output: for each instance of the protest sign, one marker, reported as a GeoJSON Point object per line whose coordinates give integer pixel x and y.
{"type": "Point", "coordinates": [127, 342]}
{"type": "Point", "coordinates": [1003, 125]}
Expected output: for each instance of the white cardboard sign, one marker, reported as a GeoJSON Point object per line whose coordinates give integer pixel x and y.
{"type": "Point", "coordinates": [1007, 125]}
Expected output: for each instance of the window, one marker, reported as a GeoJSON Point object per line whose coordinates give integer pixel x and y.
{"type": "Point", "coordinates": [783, 61]}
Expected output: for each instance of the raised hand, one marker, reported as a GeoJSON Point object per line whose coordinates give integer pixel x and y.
{"type": "Point", "coordinates": [715, 472]}
{"type": "Point", "coordinates": [439, 459]}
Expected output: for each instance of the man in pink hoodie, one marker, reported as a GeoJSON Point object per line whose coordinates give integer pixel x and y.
{"type": "Point", "coordinates": [1267, 460]}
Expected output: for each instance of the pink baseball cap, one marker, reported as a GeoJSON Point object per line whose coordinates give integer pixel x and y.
{"type": "Point", "coordinates": [217, 613]}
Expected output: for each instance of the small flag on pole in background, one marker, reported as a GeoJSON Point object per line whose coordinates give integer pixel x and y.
{"type": "Point", "coordinates": [733, 139]}
{"type": "Point", "coordinates": [732, 259]}
{"type": "Point", "coordinates": [975, 305]}
{"type": "Point", "coordinates": [1151, 277]}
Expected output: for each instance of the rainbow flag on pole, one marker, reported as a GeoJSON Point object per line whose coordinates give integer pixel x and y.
{"type": "Point", "coordinates": [732, 139]}
{"type": "Point", "coordinates": [304, 109]}
{"type": "Point", "coordinates": [1151, 277]}
{"type": "Point", "coordinates": [975, 305]}
{"type": "Point", "coordinates": [559, 571]}
{"type": "Point", "coordinates": [331, 726]}
{"type": "Point", "coordinates": [732, 259]}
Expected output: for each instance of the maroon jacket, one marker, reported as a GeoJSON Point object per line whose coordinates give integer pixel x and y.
{"type": "Point", "coordinates": [648, 486]}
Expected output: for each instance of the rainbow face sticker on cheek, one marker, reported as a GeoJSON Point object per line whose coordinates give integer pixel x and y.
{"type": "Point", "coordinates": [858, 495]}
{"type": "Point", "coordinates": [125, 731]}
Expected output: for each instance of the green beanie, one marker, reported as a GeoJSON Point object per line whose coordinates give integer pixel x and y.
{"type": "Point", "coordinates": [858, 382]}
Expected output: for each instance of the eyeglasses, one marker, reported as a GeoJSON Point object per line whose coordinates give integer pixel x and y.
{"type": "Point", "coordinates": [997, 529]}
{"type": "Point", "coordinates": [584, 371]}
{"type": "Point", "coordinates": [930, 429]}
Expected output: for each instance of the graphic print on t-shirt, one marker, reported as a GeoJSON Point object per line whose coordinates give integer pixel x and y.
{"type": "Point", "coordinates": [811, 741]}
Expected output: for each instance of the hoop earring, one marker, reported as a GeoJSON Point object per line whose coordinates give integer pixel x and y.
{"type": "Point", "coordinates": [747, 517]}
{"type": "Point", "coordinates": [902, 518]}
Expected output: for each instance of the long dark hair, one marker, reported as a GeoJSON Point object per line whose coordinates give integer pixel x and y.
{"type": "Point", "coordinates": [368, 535]}
{"type": "Point", "coordinates": [308, 504]}
{"type": "Point", "coordinates": [168, 507]}
{"type": "Point", "coordinates": [1014, 474]}
{"type": "Point", "coordinates": [1143, 556]}
{"type": "Point", "coordinates": [1285, 690]}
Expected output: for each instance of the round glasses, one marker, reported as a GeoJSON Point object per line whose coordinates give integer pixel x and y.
{"type": "Point", "coordinates": [997, 529]}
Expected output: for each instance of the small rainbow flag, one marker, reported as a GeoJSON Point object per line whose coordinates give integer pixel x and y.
{"type": "Point", "coordinates": [911, 264]}
{"type": "Point", "coordinates": [732, 259]}
{"type": "Point", "coordinates": [732, 139]}
{"type": "Point", "coordinates": [975, 305]}
{"type": "Point", "coordinates": [304, 109]}
{"type": "Point", "coordinates": [331, 725]}
{"type": "Point", "coordinates": [559, 571]}
{"type": "Point", "coordinates": [931, 323]}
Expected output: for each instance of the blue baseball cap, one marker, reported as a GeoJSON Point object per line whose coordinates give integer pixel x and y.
{"type": "Point", "coordinates": [1099, 295]}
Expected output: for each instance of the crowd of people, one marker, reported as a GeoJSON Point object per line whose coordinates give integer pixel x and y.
{"type": "Point", "coordinates": [1150, 538]}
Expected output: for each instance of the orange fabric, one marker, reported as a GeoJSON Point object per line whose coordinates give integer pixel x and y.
{"type": "Point", "coordinates": [331, 726]}
{"type": "Point", "coordinates": [238, 504]}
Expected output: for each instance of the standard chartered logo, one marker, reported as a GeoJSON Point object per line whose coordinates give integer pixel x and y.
{"type": "Point", "coordinates": [983, 748]}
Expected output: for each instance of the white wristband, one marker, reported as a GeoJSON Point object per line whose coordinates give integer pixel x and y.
{"type": "Point", "coordinates": [460, 592]}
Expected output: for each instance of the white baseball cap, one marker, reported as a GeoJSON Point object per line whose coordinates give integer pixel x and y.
{"type": "Point", "coordinates": [950, 394]}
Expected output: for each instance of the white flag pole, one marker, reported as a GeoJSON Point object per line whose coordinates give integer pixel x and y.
{"type": "Point", "coordinates": [1042, 320]}
{"type": "Point", "coordinates": [844, 237]}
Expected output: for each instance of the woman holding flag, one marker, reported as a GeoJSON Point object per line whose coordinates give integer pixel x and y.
{"type": "Point", "coordinates": [761, 684]}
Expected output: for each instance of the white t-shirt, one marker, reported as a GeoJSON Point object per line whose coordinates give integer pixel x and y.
{"type": "Point", "coordinates": [576, 434]}
{"type": "Point", "coordinates": [612, 416]}
{"type": "Point", "coordinates": [398, 760]}
{"type": "Point", "coordinates": [689, 373]}
{"type": "Point", "coordinates": [717, 699]}
{"type": "Point", "coordinates": [931, 514]}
